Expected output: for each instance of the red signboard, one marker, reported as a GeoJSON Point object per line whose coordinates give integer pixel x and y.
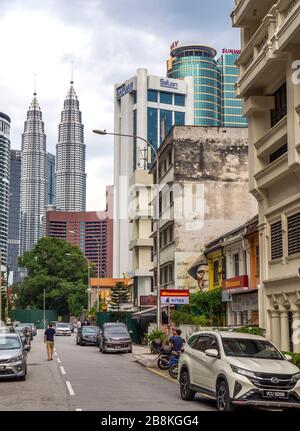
{"type": "Point", "coordinates": [148, 301]}
{"type": "Point", "coordinates": [236, 284]}
{"type": "Point", "coordinates": [174, 292]}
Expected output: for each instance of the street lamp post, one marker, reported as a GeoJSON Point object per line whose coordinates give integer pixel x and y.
{"type": "Point", "coordinates": [104, 132]}
{"type": "Point", "coordinates": [98, 268]}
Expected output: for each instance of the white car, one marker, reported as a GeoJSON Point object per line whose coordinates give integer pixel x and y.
{"type": "Point", "coordinates": [238, 369]}
{"type": "Point", "coordinates": [62, 329]}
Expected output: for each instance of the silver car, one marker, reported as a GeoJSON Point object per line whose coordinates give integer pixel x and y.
{"type": "Point", "coordinates": [13, 357]}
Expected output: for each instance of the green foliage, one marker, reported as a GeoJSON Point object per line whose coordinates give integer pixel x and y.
{"type": "Point", "coordinates": [60, 269]}
{"type": "Point", "coordinates": [120, 295]}
{"type": "Point", "coordinates": [205, 308]}
{"type": "Point", "coordinates": [295, 358]}
{"type": "Point", "coordinates": [254, 330]}
{"type": "Point", "coordinates": [182, 318]}
{"type": "Point", "coordinates": [157, 334]}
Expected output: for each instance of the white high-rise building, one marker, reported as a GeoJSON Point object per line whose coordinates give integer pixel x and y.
{"type": "Point", "coordinates": [70, 178]}
{"type": "Point", "coordinates": [33, 178]}
{"type": "Point", "coordinates": [146, 106]}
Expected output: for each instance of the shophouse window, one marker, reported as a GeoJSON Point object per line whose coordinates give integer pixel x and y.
{"type": "Point", "coordinates": [171, 273]}
{"type": "Point", "coordinates": [245, 262]}
{"type": "Point", "coordinates": [236, 264]}
{"type": "Point", "coordinates": [278, 153]}
{"type": "Point", "coordinates": [166, 98]}
{"type": "Point", "coordinates": [280, 110]}
{"type": "Point", "coordinates": [216, 271]}
{"type": "Point", "coordinates": [276, 240]}
{"type": "Point", "coordinates": [179, 118]}
{"type": "Point", "coordinates": [257, 264]}
{"type": "Point", "coordinates": [294, 234]}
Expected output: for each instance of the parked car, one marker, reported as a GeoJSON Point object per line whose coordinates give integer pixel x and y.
{"type": "Point", "coordinates": [7, 330]}
{"type": "Point", "coordinates": [26, 325]}
{"type": "Point", "coordinates": [238, 369]}
{"type": "Point", "coordinates": [54, 323]}
{"type": "Point", "coordinates": [114, 337]}
{"type": "Point", "coordinates": [62, 329]}
{"type": "Point", "coordinates": [24, 333]}
{"type": "Point", "coordinates": [87, 335]}
{"type": "Point", "coordinates": [13, 356]}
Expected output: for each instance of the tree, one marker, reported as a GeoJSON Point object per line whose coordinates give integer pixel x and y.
{"type": "Point", "coordinates": [120, 295]}
{"type": "Point", "coordinates": [59, 268]}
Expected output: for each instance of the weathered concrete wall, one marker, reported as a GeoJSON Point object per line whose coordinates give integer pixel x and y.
{"type": "Point", "coordinates": [211, 166]}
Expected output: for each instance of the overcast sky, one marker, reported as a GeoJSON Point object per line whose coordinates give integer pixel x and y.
{"type": "Point", "coordinates": [107, 40]}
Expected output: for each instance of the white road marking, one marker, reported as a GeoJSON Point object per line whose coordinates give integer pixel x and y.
{"type": "Point", "coordinates": [58, 360]}
{"type": "Point", "coordinates": [55, 353]}
{"type": "Point", "coordinates": [78, 410]}
{"type": "Point", "coordinates": [62, 370]}
{"type": "Point", "coordinates": [70, 389]}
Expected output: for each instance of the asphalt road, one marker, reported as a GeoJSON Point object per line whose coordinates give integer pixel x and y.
{"type": "Point", "coordinates": [82, 378]}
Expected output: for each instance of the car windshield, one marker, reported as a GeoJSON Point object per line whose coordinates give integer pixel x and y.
{"type": "Point", "coordinates": [116, 330]}
{"type": "Point", "coordinates": [62, 325]}
{"type": "Point", "coordinates": [250, 348]}
{"type": "Point", "coordinates": [9, 343]}
{"type": "Point", "coordinates": [90, 329]}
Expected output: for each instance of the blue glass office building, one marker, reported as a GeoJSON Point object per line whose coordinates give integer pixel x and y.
{"type": "Point", "coordinates": [215, 103]}
{"type": "Point", "coordinates": [232, 110]}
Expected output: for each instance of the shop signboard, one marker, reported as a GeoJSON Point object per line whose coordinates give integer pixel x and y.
{"type": "Point", "coordinates": [174, 296]}
{"type": "Point", "coordinates": [236, 284]}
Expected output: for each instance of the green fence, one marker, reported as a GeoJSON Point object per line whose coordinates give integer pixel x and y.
{"type": "Point", "coordinates": [34, 316]}
{"type": "Point", "coordinates": [107, 317]}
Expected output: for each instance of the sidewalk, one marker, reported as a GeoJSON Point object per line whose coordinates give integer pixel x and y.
{"type": "Point", "coordinates": [143, 356]}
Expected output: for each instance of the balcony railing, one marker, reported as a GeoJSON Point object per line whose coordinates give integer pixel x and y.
{"type": "Point", "coordinates": [265, 36]}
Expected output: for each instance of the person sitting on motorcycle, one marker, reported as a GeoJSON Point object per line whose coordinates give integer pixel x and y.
{"type": "Point", "coordinates": [176, 340]}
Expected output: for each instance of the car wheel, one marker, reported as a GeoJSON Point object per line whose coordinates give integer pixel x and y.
{"type": "Point", "coordinates": [187, 394]}
{"type": "Point", "coordinates": [223, 397]}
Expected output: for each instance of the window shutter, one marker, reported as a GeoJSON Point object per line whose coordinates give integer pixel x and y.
{"type": "Point", "coordinates": [276, 240]}
{"type": "Point", "coordinates": [294, 234]}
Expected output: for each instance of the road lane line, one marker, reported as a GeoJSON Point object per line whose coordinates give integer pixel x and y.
{"type": "Point", "coordinates": [78, 410]}
{"type": "Point", "coordinates": [55, 353]}
{"type": "Point", "coordinates": [70, 389]}
{"type": "Point", "coordinates": [58, 360]}
{"type": "Point", "coordinates": [62, 370]}
{"type": "Point", "coordinates": [162, 375]}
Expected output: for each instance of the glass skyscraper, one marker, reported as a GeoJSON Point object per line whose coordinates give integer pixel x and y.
{"type": "Point", "coordinates": [215, 102]}
{"type": "Point", "coordinates": [14, 215]}
{"type": "Point", "coordinates": [232, 110]}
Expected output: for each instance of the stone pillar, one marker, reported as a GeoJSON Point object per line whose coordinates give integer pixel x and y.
{"type": "Point", "coordinates": [275, 328]}
{"type": "Point", "coordinates": [296, 331]}
{"type": "Point", "coordinates": [285, 334]}
{"type": "Point", "coordinates": [239, 318]}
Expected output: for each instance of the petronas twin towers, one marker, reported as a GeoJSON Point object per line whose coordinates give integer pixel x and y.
{"type": "Point", "coordinates": [70, 177]}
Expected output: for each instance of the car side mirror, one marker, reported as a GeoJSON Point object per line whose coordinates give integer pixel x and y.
{"type": "Point", "coordinates": [212, 353]}
{"type": "Point", "coordinates": [26, 348]}
{"type": "Point", "coordinates": [288, 358]}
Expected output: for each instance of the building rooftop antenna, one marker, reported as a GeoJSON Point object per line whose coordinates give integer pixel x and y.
{"type": "Point", "coordinates": [72, 72]}
{"type": "Point", "coordinates": [34, 85]}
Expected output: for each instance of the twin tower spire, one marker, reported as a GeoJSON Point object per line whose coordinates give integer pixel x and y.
{"type": "Point", "coordinates": [70, 176]}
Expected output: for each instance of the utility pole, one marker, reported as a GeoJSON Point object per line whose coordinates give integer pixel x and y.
{"type": "Point", "coordinates": [44, 308]}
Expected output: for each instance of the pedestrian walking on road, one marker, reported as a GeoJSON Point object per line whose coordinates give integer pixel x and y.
{"type": "Point", "coordinates": [49, 340]}
{"type": "Point", "coordinates": [78, 324]}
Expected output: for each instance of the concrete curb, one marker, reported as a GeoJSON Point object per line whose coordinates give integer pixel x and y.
{"type": "Point", "coordinates": [146, 362]}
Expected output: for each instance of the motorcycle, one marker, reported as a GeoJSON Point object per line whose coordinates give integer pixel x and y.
{"type": "Point", "coordinates": [173, 364]}
{"type": "Point", "coordinates": [164, 357]}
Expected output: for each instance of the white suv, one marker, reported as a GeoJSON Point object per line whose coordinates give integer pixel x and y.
{"type": "Point", "coordinates": [238, 369]}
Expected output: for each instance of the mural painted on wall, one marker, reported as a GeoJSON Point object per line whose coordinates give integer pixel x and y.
{"type": "Point", "coordinates": [191, 272]}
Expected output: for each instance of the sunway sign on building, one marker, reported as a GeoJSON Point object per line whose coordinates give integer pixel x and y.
{"type": "Point", "coordinates": [174, 296]}
{"type": "Point", "coordinates": [231, 51]}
